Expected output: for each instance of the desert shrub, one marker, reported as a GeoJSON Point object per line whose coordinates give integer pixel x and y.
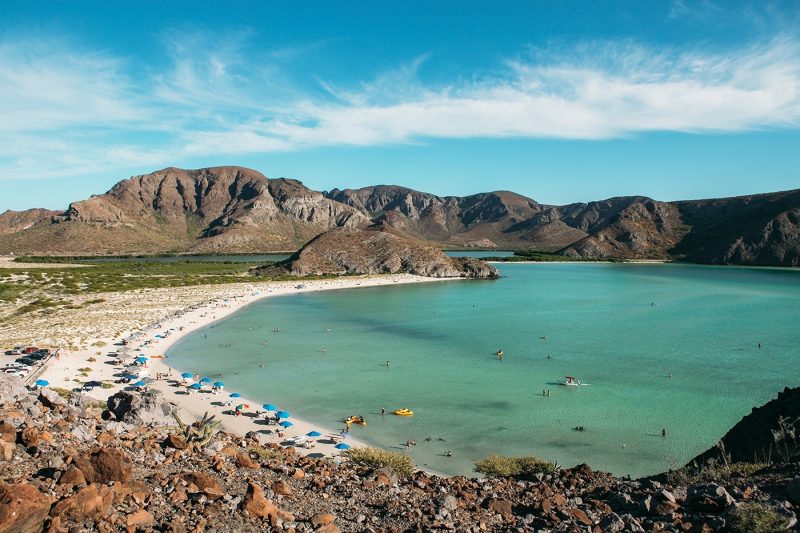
{"type": "Point", "coordinates": [266, 454]}
{"type": "Point", "coordinates": [756, 518]}
{"type": "Point", "coordinates": [106, 385]}
{"type": "Point", "coordinates": [502, 466]}
{"type": "Point", "coordinates": [377, 458]}
{"type": "Point", "coordinates": [64, 393]}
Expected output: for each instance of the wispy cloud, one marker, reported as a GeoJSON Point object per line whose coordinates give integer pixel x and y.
{"type": "Point", "coordinates": [67, 112]}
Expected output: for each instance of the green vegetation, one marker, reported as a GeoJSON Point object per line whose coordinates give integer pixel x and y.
{"type": "Point", "coordinates": [376, 458]}
{"type": "Point", "coordinates": [266, 454]}
{"type": "Point", "coordinates": [64, 393]}
{"type": "Point", "coordinates": [755, 517]}
{"type": "Point", "coordinates": [522, 467]}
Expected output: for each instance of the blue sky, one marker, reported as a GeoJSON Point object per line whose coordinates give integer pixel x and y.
{"type": "Point", "coordinates": [560, 101]}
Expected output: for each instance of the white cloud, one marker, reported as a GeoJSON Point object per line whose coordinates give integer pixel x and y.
{"type": "Point", "coordinates": [66, 112]}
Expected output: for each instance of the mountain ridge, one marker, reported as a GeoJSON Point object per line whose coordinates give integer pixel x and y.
{"type": "Point", "coordinates": [236, 209]}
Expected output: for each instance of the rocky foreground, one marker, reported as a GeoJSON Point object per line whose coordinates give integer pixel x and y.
{"type": "Point", "coordinates": [73, 465]}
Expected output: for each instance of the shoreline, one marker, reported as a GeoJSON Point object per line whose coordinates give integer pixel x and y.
{"type": "Point", "coordinates": [175, 326]}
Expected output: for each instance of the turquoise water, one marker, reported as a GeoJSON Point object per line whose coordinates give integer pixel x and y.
{"type": "Point", "coordinates": [620, 328]}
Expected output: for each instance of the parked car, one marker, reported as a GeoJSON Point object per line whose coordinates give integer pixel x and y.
{"type": "Point", "coordinates": [15, 365]}
{"type": "Point", "coordinates": [13, 352]}
{"type": "Point", "coordinates": [27, 361]}
{"type": "Point", "coordinates": [17, 371]}
{"type": "Point", "coordinates": [30, 349]}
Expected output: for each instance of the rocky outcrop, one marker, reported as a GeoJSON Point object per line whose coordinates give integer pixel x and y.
{"type": "Point", "coordinates": [372, 251]}
{"type": "Point", "coordinates": [769, 432]}
{"type": "Point", "coordinates": [149, 408]}
{"type": "Point", "coordinates": [14, 221]}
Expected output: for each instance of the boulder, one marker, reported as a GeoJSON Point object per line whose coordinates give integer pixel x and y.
{"type": "Point", "coordinates": [89, 502]}
{"type": "Point", "coordinates": [51, 399]}
{"type": "Point", "coordinates": [321, 519]}
{"type": "Point", "coordinates": [72, 476]}
{"type": "Point", "coordinates": [206, 483]}
{"type": "Point", "coordinates": [111, 465]}
{"type": "Point", "coordinates": [140, 518]}
{"type": "Point", "coordinates": [8, 432]}
{"type": "Point", "coordinates": [12, 389]}
{"type": "Point", "coordinates": [708, 497]}
{"type": "Point", "coordinates": [23, 508]}
{"type": "Point", "coordinates": [149, 408]}
{"type": "Point", "coordinates": [244, 460]}
{"type": "Point", "coordinates": [501, 507]}
{"type": "Point", "coordinates": [256, 504]}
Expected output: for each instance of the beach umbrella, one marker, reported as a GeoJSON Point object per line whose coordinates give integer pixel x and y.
{"type": "Point", "coordinates": [342, 446]}
{"type": "Point", "coordinates": [219, 384]}
{"type": "Point", "coordinates": [282, 414]}
{"type": "Point", "coordinates": [236, 395]}
{"type": "Point", "coordinates": [186, 375]}
{"type": "Point", "coordinates": [194, 386]}
{"type": "Point", "coordinates": [205, 380]}
{"type": "Point", "coordinates": [313, 434]}
{"type": "Point", "coordinates": [140, 383]}
{"type": "Point", "coordinates": [128, 375]}
{"type": "Point", "coordinates": [141, 359]}
{"type": "Point", "coordinates": [42, 383]}
{"type": "Point", "coordinates": [286, 424]}
{"type": "Point", "coordinates": [268, 407]}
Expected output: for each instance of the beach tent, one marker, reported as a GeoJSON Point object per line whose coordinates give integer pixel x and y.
{"type": "Point", "coordinates": [42, 383]}
{"type": "Point", "coordinates": [282, 414]}
{"type": "Point", "coordinates": [236, 395]}
{"type": "Point", "coordinates": [286, 424]}
{"type": "Point", "coordinates": [342, 446]}
{"type": "Point", "coordinates": [313, 434]}
{"type": "Point", "coordinates": [268, 407]}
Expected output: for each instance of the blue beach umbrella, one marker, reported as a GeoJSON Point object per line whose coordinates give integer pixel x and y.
{"type": "Point", "coordinates": [141, 359]}
{"type": "Point", "coordinates": [342, 446]}
{"type": "Point", "coordinates": [219, 384]}
{"type": "Point", "coordinates": [286, 424]}
{"type": "Point", "coordinates": [282, 414]}
{"type": "Point", "coordinates": [194, 386]}
{"type": "Point", "coordinates": [268, 407]}
{"type": "Point", "coordinates": [205, 380]}
{"type": "Point", "coordinates": [313, 434]}
{"type": "Point", "coordinates": [236, 395]}
{"type": "Point", "coordinates": [186, 375]}
{"type": "Point", "coordinates": [42, 383]}
{"type": "Point", "coordinates": [139, 383]}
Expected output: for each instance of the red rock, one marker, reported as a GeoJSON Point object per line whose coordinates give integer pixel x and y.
{"type": "Point", "coordinates": [23, 508]}
{"type": "Point", "coordinates": [206, 483]}
{"type": "Point", "coordinates": [175, 441]}
{"type": "Point", "coordinates": [8, 432]}
{"type": "Point", "coordinates": [321, 519]}
{"type": "Point", "coordinates": [140, 518]}
{"type": "Point", "coordinates": [105, 437]}
{"type": "Point", "coordinates": [73, 476]}
{"type": "Point", "coordinates": [298, 473]}
{"type": "Point", "coordinates": [256, 505]}
{"type": "Point", "coordinates": [328, 528]}
{"type": "Point", "coordinates": [244, 460]}
{"type": "Point", "coordinates": [282, 488]}
{"type": "Point", "coordinates": [29, 436]}
{"type": "Point", "coordinates": [502, 507]}
{"type": "Point", "coordinates": [579, 515]}
{"type": "Point", "coordinates": [111, 465]}
{"type": "Point", "coordinates": [7, 450]}
{"type": "Point", "coordinates": [86, 503]}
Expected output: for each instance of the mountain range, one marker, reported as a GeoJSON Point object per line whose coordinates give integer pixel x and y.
{"type": "Point", "coordinates": [235, 209]}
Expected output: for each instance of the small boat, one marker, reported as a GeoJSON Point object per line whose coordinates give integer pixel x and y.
{"type": "Point", "coordinates": [355, 420]}
{"type": "Point", "coordinates": [570, 381]}
{"type": "Point", "coordinates": [404, 412]}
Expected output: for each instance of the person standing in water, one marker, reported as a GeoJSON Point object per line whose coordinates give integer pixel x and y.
{"type": "Point", "coordinates": [387, 363]}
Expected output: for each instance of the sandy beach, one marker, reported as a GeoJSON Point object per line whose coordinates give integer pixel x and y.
{"type": "Point", "coordinates": [158, 318]}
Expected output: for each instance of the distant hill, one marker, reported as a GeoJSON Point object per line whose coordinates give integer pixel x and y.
{"type": "Point", "coordinates": [235, 209]}
{"type": "Point", "coordinates": [376, 251]}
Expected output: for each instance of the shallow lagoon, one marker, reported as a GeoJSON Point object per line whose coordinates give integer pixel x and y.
{"type": "Point", "coordinates": [622, 328]}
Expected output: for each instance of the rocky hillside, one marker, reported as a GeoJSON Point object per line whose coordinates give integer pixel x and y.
{"type": "Point", "coordinates": [76, 465]}
{"type": "Point", "coordinates": [375, 251]}
{"type": "Point", "coordinates": [234, 209]}
{"type": "Point", "coordinates": [214, 209]}
{"type": "Point", "coordinates": [770, 432]}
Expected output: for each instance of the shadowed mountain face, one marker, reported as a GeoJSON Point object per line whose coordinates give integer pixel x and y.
{"type": "Point", "coordinates": [234, 209]}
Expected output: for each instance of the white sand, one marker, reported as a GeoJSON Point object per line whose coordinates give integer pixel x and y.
{"type": "Point", "coordinates": [219, 302]}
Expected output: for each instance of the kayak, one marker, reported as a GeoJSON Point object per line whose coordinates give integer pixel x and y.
{"type": "Point", "coordinates": [355, 420]}
{"type": "Point", "coordinates": [404, 412]}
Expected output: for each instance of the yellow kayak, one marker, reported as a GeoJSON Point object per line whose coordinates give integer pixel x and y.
{"type": "Point", "coordinates": [404, 412]}
{"type": "Point", "coordinates": [355, 420]}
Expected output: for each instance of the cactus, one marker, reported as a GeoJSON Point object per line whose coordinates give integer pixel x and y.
{"type": "Point", "coordinates": [201, 431]}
